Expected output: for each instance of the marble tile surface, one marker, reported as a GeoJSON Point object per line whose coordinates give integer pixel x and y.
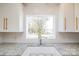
{"type": "Point", "coordinates": [9, 49]}
{"type": "Point", "coordinates": [12, 49]}
{"type": "Point", "coordinates": [68, 49]}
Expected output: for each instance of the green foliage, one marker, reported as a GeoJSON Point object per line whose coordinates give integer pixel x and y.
{"type": "Point", "coordinates": [37, 27]}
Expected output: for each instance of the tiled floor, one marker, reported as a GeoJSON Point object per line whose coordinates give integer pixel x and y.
{"type": "Point", "coordinates": [18, 49]}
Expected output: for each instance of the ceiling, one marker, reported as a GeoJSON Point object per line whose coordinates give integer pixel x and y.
{"type": "Point", "coordinates": [41, 4]}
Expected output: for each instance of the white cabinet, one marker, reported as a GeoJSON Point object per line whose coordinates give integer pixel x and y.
{"type": "Point", "coordinates": [11, 17]}
{"type": "Point", "coordinates": [66, 18]}
{"type": "Point", "coordinates": [76, 17]}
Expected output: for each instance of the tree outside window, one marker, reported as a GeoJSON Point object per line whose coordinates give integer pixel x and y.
{"type": "Point", "coordinates": [41, 26]}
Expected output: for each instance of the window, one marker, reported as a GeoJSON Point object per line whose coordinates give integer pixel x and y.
{"type": "Point", "coordinates": [44, 24]}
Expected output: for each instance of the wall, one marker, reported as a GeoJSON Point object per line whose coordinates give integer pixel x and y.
{"type": "Point", "coordinates": [40, 9]}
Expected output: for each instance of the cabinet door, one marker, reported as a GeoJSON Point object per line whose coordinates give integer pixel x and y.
{"type": "Point", "coordinates": [69, 14]}
{"type": "Point", "coordinates": [13, 14]}
{"type": "Point", "coordinates": [76, 17]}
{"type": "Point", "coordinates": [67, 17]}
{"type": "Point", "coordinates": [2, 17]}
{"type": "Point", "coordinates": [61, 18]}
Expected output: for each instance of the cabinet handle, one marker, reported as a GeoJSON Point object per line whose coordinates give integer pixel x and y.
{"type": "Point", "coordinates": [4, 24]}
{"type": "Point", "coordinates": [65, 23]}
{"type": "Point", "coordinates": [76, 23]}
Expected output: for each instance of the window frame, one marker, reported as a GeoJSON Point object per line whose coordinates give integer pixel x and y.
{"type": "Point", "coordinates": [35, 36]}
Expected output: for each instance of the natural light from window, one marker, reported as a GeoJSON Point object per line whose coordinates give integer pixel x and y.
{"type": "Point", "coordinates": [40, 24]}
